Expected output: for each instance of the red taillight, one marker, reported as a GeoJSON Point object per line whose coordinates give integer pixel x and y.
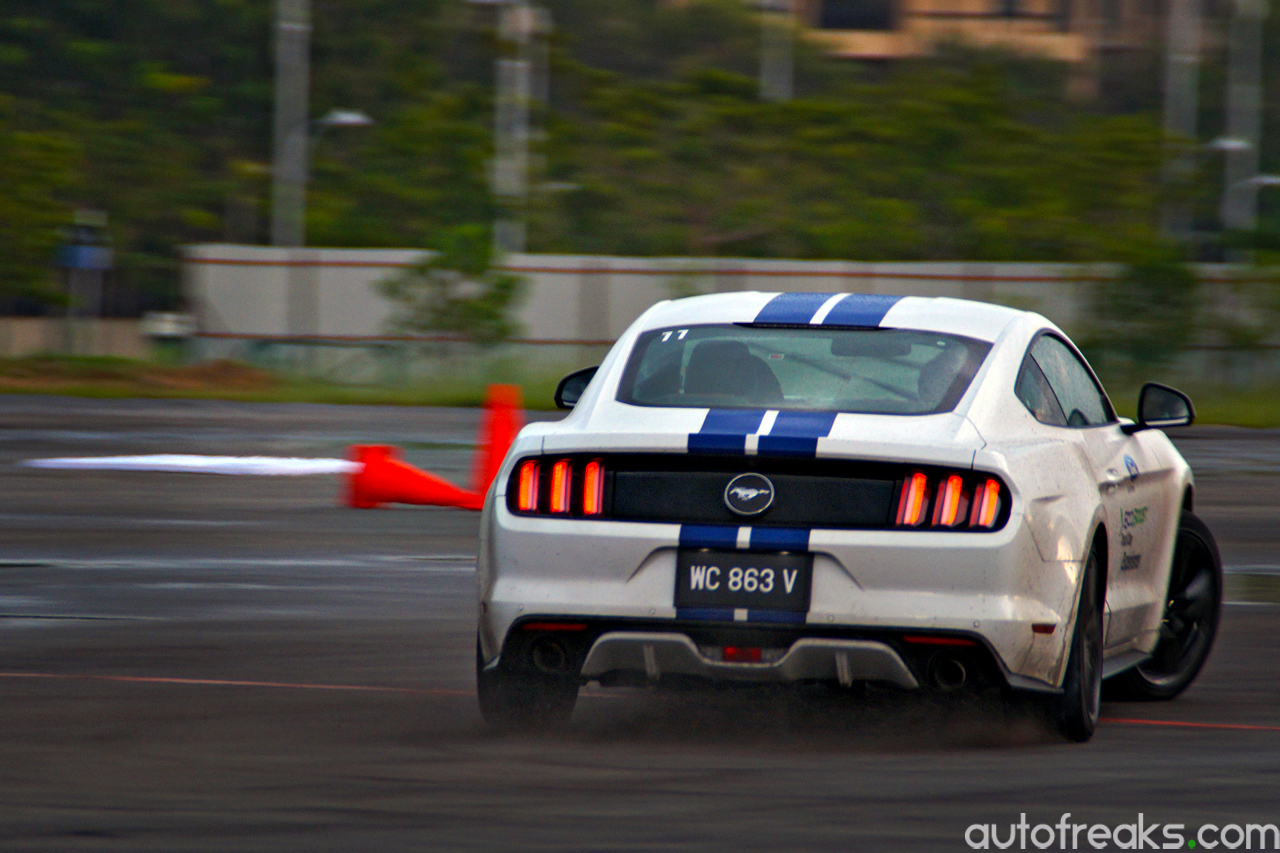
{"type": "Point", "coordinates": [593, 488]}
{"type": "Point", "coordinates": [742, 654]}
{"type": "Point", "coordinates": [947, 510]}
{"type": "Point", "coordinates": [527, 499]}
{"type": "Point", "coordinates": [561, 480]}
{"type": "Point", "coordinates": [949, 501]}
{"type": "Point", "coordinates": [986, 504]}
{"type": "Point", "coordinates": [915, 494]}
{"type": "Point", "coordinates": [934, 640]}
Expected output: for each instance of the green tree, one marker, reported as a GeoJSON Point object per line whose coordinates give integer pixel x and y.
{"type": "Point", "coordinates": [457, 291]}
{"type": "Point", "coordinates": [1147, 315]}
{"type": "Point", "coordinates": [36, 172]}
{"type": "Point", "coordinates": [653, 120]}
{"type": "Point", "coordinates": [938, 161]}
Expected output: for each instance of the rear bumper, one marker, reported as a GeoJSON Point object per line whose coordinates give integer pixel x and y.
{"type": "Point", "coordinates": [993, 586]}
{"type": "Point", "coordinates": [647, 651]}
{"type": "Point", "coordinates": [808, 659]}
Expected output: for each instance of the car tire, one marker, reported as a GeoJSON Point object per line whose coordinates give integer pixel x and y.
{"type": "Point", "coordinates": [1074, 711]}
{"type": "Point", "coordinates": [523, 700]}
{"type": "Point", "coordinates": [1193, 606]}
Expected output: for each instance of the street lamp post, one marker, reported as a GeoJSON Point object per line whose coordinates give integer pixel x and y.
{"type": "Point", "coordinates": [302, 308]}
{"type": "Point", "coordinates": [777, 50]}
{"type": "Point", "coordinates": [291, 131]}
{"type": "Point", "coordinates": [1244, 116]}
{"type": "Point", "coordinates": [1181, 102]}
{"type": "Point", "coordinates": [294, 134]}
{"type": "Point", "coordinates": [517, 82]}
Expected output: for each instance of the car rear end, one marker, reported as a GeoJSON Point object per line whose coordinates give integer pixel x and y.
{"type": "Point", "coordinates": [685, 525]}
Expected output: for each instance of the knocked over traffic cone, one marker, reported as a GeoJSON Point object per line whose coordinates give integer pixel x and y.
{"type": "Point", "coordinates": [383, 478]}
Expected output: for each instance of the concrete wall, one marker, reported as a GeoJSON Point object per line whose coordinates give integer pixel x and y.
{"type": "Point", "coordinates": [21, 336]}
{"type": "Point", "coordinates": [261, 290]}
{"type": "Point", "coordinates": [255, 290]}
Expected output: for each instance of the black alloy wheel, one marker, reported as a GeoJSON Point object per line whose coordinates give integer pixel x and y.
{"type": "Point", "coordinates": [1192, 609]}
{"type": "Point", "coordinates": [1075, 710]}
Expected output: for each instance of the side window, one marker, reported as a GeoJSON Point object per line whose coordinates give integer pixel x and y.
{"type": "Point", "coordinates": [1078, 395]}
{"type": "Point", "coordinates": [1034, 392]}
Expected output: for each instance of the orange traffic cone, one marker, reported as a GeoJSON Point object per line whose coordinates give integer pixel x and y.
{"type": "Point", "coordinates": [502, 420]}
{"type": "Point", "coordinates": [383, 478]}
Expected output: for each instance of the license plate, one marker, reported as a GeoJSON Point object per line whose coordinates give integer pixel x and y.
{"type": "Point", "coordinates": [743, 579]}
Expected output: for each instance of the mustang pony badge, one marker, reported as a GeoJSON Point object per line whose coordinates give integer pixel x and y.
{"type": "Point", "coordinates": [748, 494]}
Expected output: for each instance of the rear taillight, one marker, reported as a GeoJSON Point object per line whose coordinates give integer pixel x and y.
{"type": "Point", "coordinates": [743, 654]}
{"type": "Point", "coordinates": [581, 486]}
{"type": "Point", "coordinates": [593, 488]}
{"type": "Point", "coordinates": [527, 499]}
{"type": "Point", "coordinates": [565, 486]}
{"type": "Point", "coordinates": [915, 497]}
{"type": "Point", "coordinates": [986, 504]}
{"type": "Point", "coordinates": [956, 501]}
{"type": "Point", "coordinates": [950, 494]}
{"type": "Point", "coordinates": [561, 483]}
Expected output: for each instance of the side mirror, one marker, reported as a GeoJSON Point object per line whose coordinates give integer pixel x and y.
{"type": "Point", "coordinates": [1160, 407]}
{"type": "Point", "coordinates": [572, 387]}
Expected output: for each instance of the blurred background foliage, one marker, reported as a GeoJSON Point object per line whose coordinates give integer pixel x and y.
{"type": "Point", "coordinates": [456, 291]}
{"type": "Point", "coordinates": [655, 143]}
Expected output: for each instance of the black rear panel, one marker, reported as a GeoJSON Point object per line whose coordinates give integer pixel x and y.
{"type": "Point", "coordinates": [691, 489]}
{"type": "Point", "coordinates": [698, 497]}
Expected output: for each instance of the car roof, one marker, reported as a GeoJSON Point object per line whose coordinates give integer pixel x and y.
{"type": "Point", "coordinates": [980, 320]}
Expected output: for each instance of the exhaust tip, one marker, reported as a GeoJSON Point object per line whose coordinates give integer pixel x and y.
{"type": "Point", "coordinates": [550, 656]}
{"type": "Point", "coordinates": [949, 673]}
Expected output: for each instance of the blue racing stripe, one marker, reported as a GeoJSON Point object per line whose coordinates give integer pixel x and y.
{"type": "Point", "coordinates": [708, 536]}
{"type": "Point", "coordinates": [796, 434]}
{"type": "Point", "coordinates": [779, 539]}
{"type": "Point", "coordinates": [725, 431]}
{"type": "Point", "coordinates": [787, 616]}
{"type": "Point", "coordinates": [792, 307]}
{"type": "Point", "coordinates": [717, 443]}
{"type": "Point", "coordinates": [705, 614]}
{"type": "Point", "coordinates": [860, 309]}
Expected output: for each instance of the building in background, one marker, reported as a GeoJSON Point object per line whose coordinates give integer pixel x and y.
{"type": "Point", "coordinates": [1066, 30]}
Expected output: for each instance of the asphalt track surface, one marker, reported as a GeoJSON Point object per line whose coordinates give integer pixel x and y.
{"type": "Point", "coordinates": [199, 662]}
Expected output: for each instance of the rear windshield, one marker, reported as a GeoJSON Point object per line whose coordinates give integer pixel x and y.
{"type": "Point", "coordinates": [873, 371]}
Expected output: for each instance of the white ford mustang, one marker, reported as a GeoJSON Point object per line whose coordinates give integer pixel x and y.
{"type": "Point", "coordinates": [920, 492]}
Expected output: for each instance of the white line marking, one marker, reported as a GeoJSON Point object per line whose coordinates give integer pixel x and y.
{"type": "Point", "coordinates": [739, 615]}
{"type": "Point", "coordinates": [753, 444]}
{"type": "Point", "coordinates": [1252, 570]}
{"type": "Point", "coordinates": [766, 423]}
{"type": "Point", "coordinates": [111, 521]}
{"type": "Point", "coordinates": [425, 565]}
{"type": "Point", "coordinates": [744, 538]}
{"type": "Point", "coordinates": [826, 309]}
{"type": "Point", "coordinates": [191, 464]}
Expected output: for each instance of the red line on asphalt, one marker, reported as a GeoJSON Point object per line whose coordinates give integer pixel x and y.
{"type": "Point", "coordinates": [1190, 725]}
{"type": "Point", "coordinates": [216, 682]}
{"type": "Point", "coordinates": [365, 688]}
